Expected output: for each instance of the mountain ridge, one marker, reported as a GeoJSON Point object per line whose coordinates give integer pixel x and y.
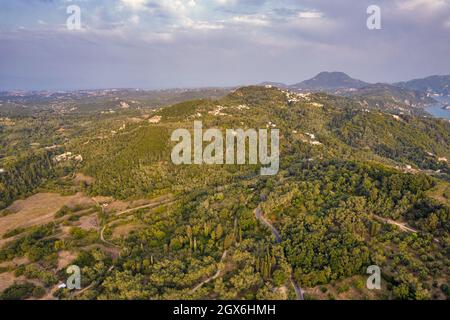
{"type": "Point", "coordinates": [436, 84]}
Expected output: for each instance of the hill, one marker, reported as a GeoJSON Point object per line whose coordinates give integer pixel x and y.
{"type": "Point", "coordinates": [329, 81]}
{"type": "Point", "coordinates": [382, 96]}
{"type": "Point", "coordinates": [434, 84]}
{"type": "Point", "coordinates": [348, 177]}
{"type": "Point", "coordinates": [391, 98]}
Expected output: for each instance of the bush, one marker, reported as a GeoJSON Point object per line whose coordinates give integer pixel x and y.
{"type": "Point", "coordinates": [38, 292]}
{"type": "Point", "coordinates": [62, 212]}
{"type": "Point", "coordinates": [13, 233]}
{"type": "Point", "coordinates": [446, 290]}
{"type": "Point", "coordinates": [78, 233]}
{"type": "Point", "coordinates": [74, 218]}
{"type": "Point", "coordinates": [18, 291]}
{"type": "Point", "coordinates": [359, 284]}
{"type": "Point", "coordinates": [343, 288]}
{"type": "Point", "coordinates": [279, 277]}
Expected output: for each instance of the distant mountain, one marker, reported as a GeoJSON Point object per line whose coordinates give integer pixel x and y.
{"type": "Point", "coordinates": [434, 84]}
{"type": "Point", "coordinates": [393, 98]}
{"type": "Point", "coordinates": [330, 81]}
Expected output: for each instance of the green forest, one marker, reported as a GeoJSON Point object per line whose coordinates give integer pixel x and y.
{"type": "Point", "coordinates": [356, 187]}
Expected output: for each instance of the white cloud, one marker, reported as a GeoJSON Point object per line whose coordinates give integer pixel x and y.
{"type": "Point", "coordinates": [254, 20]}
{"type": "Point", "coordinates": [135, 19]}
{"type": "Point", "coordinates": [202, 25]}
{"type": "Point", "coordinates": [310, 14]}
{"type": "Point", "coordinates": [227, 2]}
{"type": "Point", "coordinates": [428, 5]}
{"type": "Point", "coordinates": [134, 4]}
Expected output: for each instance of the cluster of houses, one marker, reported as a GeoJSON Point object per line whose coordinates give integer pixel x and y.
{"type": "Point", "coordinates": [313, 140]}
{"type": "Point", "coordinates": [110, 111]}
{"type": "Point", "coordinates": [124, 105]}
{"type": "Point", "coordinates": [218, 111]}
{"type": "Point", "coordinates": [242, 107]}
{"type": "Point", "coordinates": [439, 159]}
{"type": "Point", "coordinates": [155, 120]}
{"type": "Point", "coordinates": [68, 156]}
{"type": "Point", "coordinates": [6, 122]}
{"type": "Point", "coordinates": [296, 97]}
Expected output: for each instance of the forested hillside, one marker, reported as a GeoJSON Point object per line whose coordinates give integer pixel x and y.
{"type": "Point", "coordinates": [356, 187]}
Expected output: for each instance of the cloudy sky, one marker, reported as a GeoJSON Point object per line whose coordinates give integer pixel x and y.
{"type": "Point", "coordinates": [193, 43]}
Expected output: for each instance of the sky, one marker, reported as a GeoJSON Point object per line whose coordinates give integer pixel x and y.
{"type": "Point", "coordinates": [153, 44]}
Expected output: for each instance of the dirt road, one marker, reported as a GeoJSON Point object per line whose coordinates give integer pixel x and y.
{"type": "Point", "coordinates": [259, 215]}
{"type": "Point", "coordinates": [215, 276]}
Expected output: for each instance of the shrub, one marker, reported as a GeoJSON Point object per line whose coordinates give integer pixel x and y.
{"type": "Point", "coordinates": [18, 291]}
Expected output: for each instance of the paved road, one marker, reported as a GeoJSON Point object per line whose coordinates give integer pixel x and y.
{"type": "Point", "coordinates": [263, 219]}
{"type": "Point", "coordinates": [259, 215]}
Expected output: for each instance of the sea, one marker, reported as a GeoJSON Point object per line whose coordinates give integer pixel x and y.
{"type": "Point", "coordinates": [437, 109]}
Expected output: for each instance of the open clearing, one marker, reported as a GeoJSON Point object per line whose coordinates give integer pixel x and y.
{"type": "Point", "coordinates": [39, 209]}
{"type": "Point", "coordinates": [7, 279]}
{"type": "Point", "coordinates": [438, 191]}
{"type": "Point", "coordinates": [65, 258]}
{"type": "Point", "coordinates": [89, 223]}
{"type": "Point", "coordinates": [353, 288]}
{"type": "Point", "coordinates": [125, 229]}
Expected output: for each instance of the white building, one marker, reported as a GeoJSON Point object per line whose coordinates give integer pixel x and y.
{"type": "Point", "coordinates": [155, 120]}
{"type": "Point", "coordinates": [62, 286]}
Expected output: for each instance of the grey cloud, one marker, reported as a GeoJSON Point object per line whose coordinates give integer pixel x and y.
{"type": "Point", "coordinates": [155, 55]}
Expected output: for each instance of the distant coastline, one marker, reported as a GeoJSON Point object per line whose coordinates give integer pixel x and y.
{"type": "Point", "coordinates": [441, 109]}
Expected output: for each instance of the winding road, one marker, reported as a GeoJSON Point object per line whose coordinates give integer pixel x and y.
{"type": "Point", "coordinates": [164, 201]}
{"type": "Point", "coordinates": [259, 215]}
{"type": "Point", "coordinates": [215, 276]}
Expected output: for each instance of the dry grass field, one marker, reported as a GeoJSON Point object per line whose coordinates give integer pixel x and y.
{"type": "Point", "coordinates": [39, 209]}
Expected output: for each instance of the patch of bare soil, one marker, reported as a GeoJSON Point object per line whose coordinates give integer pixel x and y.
{"type": "Point", "coordinates": [89, 223]}
{"type": "Point", "coordinates": [81, 178]}
{"type": "Point", "coordinates": [117, 206]}
{"type": "Point", "coordinates": [103, 200]}
{"type": "Point", "coordinates": [16, 262]}
{"type": "Point", "coordinates": [65, 258]}
{"type": "Point", "coordinates": [39, 209]}
{"type": "Point", "coordinates": [125, 229]}
{"type": "Point", "coordinates": [7, 279]}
